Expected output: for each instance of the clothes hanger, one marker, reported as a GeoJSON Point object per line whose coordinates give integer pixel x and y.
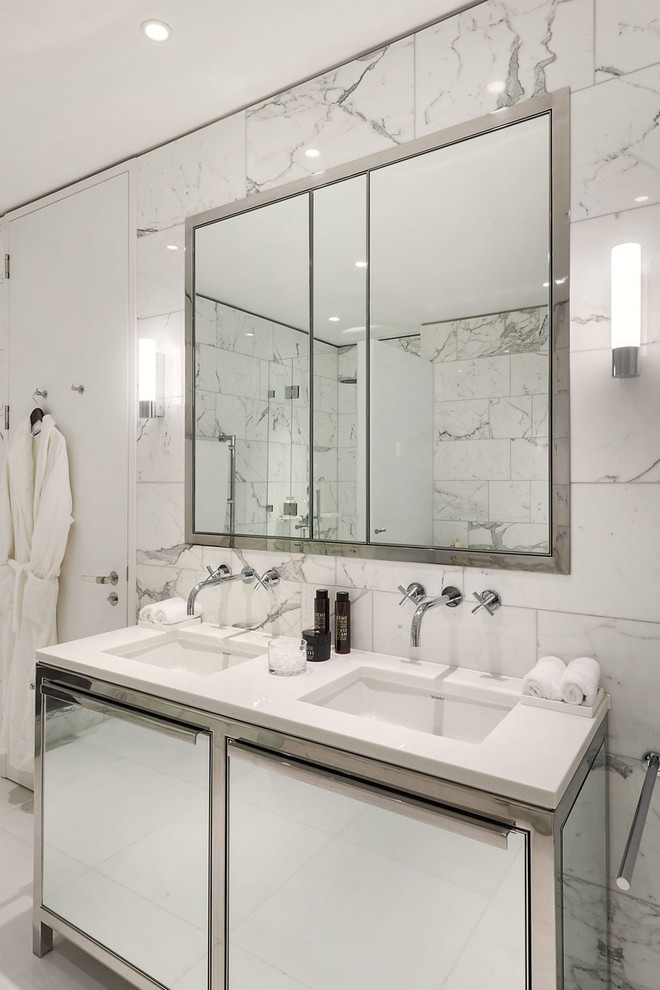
{"type": "Point", "coordinates": [37, 414]}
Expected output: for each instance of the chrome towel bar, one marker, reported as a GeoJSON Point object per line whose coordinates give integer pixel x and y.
{"type": "Point", "coordinates": [651, 763]}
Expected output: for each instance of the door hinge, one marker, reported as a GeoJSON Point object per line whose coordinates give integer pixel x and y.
{"type": "Point", "coordinates": [7, 266]}
{"type": "Point", "coordinates": [6, 417]}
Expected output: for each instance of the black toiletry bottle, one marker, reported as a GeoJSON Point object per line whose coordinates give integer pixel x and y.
{"type": "Point", "coordinates": [322, 611]}
{"type": "Point", "coordinates": [342, 623]}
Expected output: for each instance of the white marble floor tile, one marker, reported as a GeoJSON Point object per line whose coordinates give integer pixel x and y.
{"type": "Point", "coordinates": [103, 813]}
{"type": "Point", "coordinates": [248, 972]}
{"type": "Point", "coordinates": [66, 968]}
{"type": "Point", "coordinates": [16, 859]}
{"type": "Point", "coordinates": [266, 849]}
{"type": "Point", "coordinates": [457, 859]}
{"type": "Point", "coordinates": [494, 955]}
{"type": "Point", "coordinates": [20, 822]}
{"type": "Point", "coordinates": [196, 978]}
{"type": "Point", "coordinates": [151, 749]}
{"type": "Point", "coordinates": [182, 889]}
{"type": "Point", "coordinates": [338, 921]}
{"type": "Point", "coordinates": [299, 801]}
{"type": "Point", "coordinates": [144, 934]}
{"type": "Point", "coordinates": [71, 758]}
{"type": "Point", "coordinates": [12, 795]}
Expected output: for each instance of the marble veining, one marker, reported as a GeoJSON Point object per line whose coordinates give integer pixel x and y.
{"type": "Point", "coordinates": [499, 53]}
{"type": "Point", "coordinates": [607, 606]}
{"type": "Point", "coordinates": [365, 105]}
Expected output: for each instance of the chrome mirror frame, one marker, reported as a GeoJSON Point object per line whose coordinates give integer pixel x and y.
{"type": "Point", "coordinates": [557, 106]}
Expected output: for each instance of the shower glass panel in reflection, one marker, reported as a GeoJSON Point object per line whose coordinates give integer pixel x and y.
{"type": "Point", "coordinates": [126, 837]}
{"type": "Point", "coordinates": [584, 884]}
{"type": "Point", "coordinates": [251, 334]}
{"type": "Point", "coordinates": [340, 321]}
{"type": "Point", "coordinates": [459, 275]}
{"type": "Point", "coordinates": [340, 886]}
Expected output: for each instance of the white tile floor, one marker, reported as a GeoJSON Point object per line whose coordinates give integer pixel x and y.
{"type": "Point", "coordinates": [395, 902]}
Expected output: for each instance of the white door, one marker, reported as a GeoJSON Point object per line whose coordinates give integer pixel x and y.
{"type": "Point", "coordinates": [72, 323]}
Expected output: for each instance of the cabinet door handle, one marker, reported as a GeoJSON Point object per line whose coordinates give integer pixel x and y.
{"type": "Point", "coordinates": [155, 723]}
{"type": "Point", "coordinates": [462, 823]}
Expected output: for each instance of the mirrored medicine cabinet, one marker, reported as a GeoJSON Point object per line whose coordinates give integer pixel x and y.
{"type": "Point", "coordinates": [377, 355]}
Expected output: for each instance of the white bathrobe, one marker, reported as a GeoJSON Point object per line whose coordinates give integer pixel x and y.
{"type": "Point", "coordinates": [35, 517]}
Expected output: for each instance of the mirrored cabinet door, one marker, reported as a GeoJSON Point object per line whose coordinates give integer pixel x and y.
{"type": "Point", "coordinates": [334, 885]}
{"type": "Point", "coordinates": [126, 835]}
{"type": "Point", "coordinates": [251, 388]}
{"type": "Point", "coordinates": [340, 333]}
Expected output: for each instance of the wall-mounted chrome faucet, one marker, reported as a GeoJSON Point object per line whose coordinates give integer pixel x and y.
{"type": "Point", "coordinates": [416, 593]}
{"type": "Point", "coordinates": [222, 575]}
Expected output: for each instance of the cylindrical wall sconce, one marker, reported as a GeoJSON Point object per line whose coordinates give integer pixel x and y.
{"type": "Point", "coordinates": [626, 282]}
{"type": "Point", "coordinates": [147, 375]}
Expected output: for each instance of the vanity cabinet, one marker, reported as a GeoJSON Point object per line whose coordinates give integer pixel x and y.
{"type": "Point", "coordinates": [194, 852]}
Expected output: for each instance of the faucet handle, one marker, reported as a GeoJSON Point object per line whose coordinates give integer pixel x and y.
{"type": "Point", "coordinates": [270, 578]}
{"type": "Point", "coordinates": [489, 600]}
{"type": "Point", "coordinates": [413, 593]}
{"type": "Point", "coordinates": [220, 569]}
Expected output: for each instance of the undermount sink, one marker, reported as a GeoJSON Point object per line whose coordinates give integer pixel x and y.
{"type": "Point", "coordinates": [412, 703]}
{"type": "Point", "coordinates": [189, 651]}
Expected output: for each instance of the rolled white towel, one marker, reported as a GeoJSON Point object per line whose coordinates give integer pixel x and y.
{"type": "Point", "coordinates": [168, 612]}
{"type": "Point", "coordinates": [544, 679]}
{"type": "Point", "coordinates": [579, 684]}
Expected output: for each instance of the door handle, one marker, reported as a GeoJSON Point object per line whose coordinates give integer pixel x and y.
{"type": "Point", "coordinates": [111, 578]}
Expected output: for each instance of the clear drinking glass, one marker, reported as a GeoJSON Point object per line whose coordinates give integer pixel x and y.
{"type": "Point", "coordinates": [287, 656]}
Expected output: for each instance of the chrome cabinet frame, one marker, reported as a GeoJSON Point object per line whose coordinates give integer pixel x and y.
{"type": "Point", "coordinates": [478, 809]}
{"type": "Point", "coordinates": [557, 105]}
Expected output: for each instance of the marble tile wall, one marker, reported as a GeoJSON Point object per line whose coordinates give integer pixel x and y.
{"type": "Point", "coordinates": [491, 422]}
{"type": "Point", "coordinates": [608, 52]}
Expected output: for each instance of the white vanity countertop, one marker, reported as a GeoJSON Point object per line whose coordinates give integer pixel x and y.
{"type": "Point", "coordinates": [530, 756]}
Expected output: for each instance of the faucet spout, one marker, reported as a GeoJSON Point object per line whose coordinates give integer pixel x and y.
{"type": "Point", "coordinates": [450, 596]}
{"type": "Point", "coordinates": [220, 576]}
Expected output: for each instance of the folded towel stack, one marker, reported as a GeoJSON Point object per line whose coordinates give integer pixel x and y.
{"type": "Point", "coordinates": [544, 680]}
{"type": "Point", "coordinates": [579, 683]}
{"type": "Point", "coordinates": [169, 612]}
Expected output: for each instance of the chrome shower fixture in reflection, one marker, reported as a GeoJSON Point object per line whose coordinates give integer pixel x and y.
{"type": "Point", "coordinates": [347, 380]}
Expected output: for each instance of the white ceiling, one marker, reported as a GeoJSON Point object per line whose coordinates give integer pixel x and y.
{"type": "Point", "coordinates": [82, 88]}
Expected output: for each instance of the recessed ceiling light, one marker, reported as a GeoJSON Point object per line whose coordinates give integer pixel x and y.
{"type": "Point", "coordinates": [156, 30]}
{"type": "Point", "coordinates": [172, 247]}
{"type": "Point", "coordinates": [496, 86]}
{"type": "Point", "coordinates": [334, 319]}
{"type": "Point", "coordinates": [249, 333]}
{"type": "Point", "coordinates": [360, 264]}
{"type": "Point", "coordinates": [641, 199]}
{"type": "Point", "coordinates": [312, 153]}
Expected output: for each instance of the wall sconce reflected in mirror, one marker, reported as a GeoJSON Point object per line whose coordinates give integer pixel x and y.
{"type": "Point", "coordinates": [149, 373]}
{"type": "Point", "coordinates": [626, 287]}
